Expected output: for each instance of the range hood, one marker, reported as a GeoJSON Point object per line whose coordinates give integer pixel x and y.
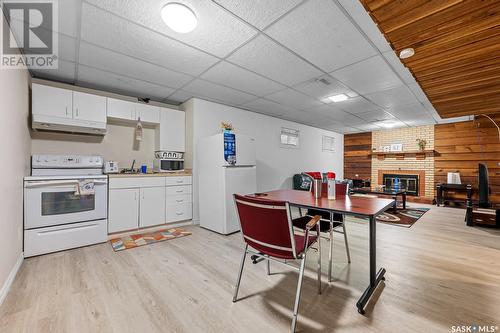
{"type": "Point", "coordinates": [51, 123]}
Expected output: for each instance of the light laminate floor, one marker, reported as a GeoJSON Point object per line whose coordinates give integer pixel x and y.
{"type": "Point", "coordinates": [439, 273]}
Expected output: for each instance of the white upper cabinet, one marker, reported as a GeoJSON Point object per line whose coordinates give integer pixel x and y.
{"type": "Point", "coordinates": [147, 113]}
{"type": "Point", "coordinates": [131, 111]}
{"type": "Point", "coordinates": [120, 109]}
{"type": "Point", "coordinates": [171, 134]}
{"type": "Point", "coordinates": [51, 101]}
{"type": "Point", "coordinates": [89, 107]}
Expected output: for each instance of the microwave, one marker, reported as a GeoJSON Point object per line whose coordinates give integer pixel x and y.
{"type": "Point", "coordinates": [168, 165]}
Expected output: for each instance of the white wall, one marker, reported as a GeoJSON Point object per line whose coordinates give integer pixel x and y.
{"type": "Point", "coordinates": [118, 145]}
{"type": "Point", "coordinates": [15, 164]}
{"type": "Point", "coordinates": [275, 165]}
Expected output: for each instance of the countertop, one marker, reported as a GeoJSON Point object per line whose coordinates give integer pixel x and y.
{"type": "Point", "coordinates": [159, 174]}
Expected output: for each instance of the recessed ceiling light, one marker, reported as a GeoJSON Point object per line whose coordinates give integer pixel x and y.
{"type": "Point", "coordinates": [406, 53]}
{"type": "Point", "coordinates": [338, 98]}
{"type": "Point", "coordinates": [178, 17]}
{"type": "Point", "coordinates": [387, 124]}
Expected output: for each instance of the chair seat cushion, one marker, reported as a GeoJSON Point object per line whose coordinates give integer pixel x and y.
{"type": "Point", "coordinates": [324, 226]}
{"type": "Point", "coordinates": [299, 243]}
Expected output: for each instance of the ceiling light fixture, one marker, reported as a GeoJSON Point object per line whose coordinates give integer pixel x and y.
{"type": "Point", "coordinates": [406, 53]}
{"type": "Point", "coordinates": [178, 17]}
{"type": "Point", "coordinates": [338, 98]}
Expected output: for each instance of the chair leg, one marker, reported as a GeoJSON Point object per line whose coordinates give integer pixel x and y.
{"type": "Point", "coordinates": [235, 297]}
{"type": "Point", "coordinates": [319, 263]}
{"type": "Point", "coordinates": [346, 243]}
{"type": "Point", "coordinates": [268, 267]}
{"type": "Point", "coordinates": [330, 254]}
{"type": "Point", "coordinates": [297, 296]}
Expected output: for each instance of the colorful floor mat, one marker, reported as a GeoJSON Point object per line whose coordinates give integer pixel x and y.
{"type": "Point", "coordinates": [402, 217]}
{"type": "Point", "coordinates": [132, 241]}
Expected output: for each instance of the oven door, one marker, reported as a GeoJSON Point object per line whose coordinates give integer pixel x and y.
{"type": "Point", "coordinates": [53, 202]}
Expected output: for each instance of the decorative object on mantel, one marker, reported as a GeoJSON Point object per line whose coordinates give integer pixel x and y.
{"type": "Point", "coordinates": [226, 127]}
{"type": "Point", "coordinates": [386, 149]}
{"type": "Point", "coordinates": [397, 147]}
{"type": "Point", "coordinates": [421, 144]}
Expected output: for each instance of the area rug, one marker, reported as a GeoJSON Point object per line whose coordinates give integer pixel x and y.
{"type": "Point", "coordinates": [402, 217]}
{"type": "Point", "coordinates": [132, 241]}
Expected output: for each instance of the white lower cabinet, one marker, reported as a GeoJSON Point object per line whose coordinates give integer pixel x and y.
{"type": "Point", "coordinates": [152, 207]}
{"type": "Point", "coordinates": [138, 202]}
{"type": "Point", "coordinates": [123, 209]}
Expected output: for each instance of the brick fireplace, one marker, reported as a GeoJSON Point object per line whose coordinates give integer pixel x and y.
{"type": "Point", "coordinates": [409, 164]}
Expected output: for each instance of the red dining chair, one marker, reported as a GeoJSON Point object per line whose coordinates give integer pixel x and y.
{"type": "Point", "coordinates": [329, 223]}
{"type": "Point", "coordinates": [266, 227]}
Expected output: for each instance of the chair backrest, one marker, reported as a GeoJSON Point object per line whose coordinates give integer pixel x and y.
{"type": "Point", "coordinates": [266, 226]}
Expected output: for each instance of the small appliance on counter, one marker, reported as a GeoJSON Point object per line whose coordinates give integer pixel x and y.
{"type": "Point", "coordinates": [110, 167]}
{"type": "Point", "coordinates": [168, 161]}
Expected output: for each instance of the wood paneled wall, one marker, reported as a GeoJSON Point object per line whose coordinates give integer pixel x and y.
{"type": "Point", "coordinates": [461, 146]}
{"type": "Point", "coordinates": [357, 159]}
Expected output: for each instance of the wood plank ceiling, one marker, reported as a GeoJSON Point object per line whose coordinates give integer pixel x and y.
{"type": "Point", "coordinates": [457, 49]}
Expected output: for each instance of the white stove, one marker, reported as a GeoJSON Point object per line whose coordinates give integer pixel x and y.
{"type": "Point", "coordinates": [58, 214]}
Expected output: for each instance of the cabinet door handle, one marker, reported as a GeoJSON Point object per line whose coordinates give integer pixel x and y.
{"type": "Point", "coordinates": [180, 181]}
{"type": "Point", "coordinates": [135, 196]}
{"type": "Point", "coordinates": [180, 213]}
{"type": "Point", "coordinates": [66, 110]}
{"type": "Point", "coordinates": [77, 113]}
{"type": "Point", "coordinates": [180, 200]}
{"type": "Point", "coordinates": [179, 191]}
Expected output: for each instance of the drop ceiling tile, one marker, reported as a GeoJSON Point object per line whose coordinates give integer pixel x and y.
{"type": "Point", "coordinates": [65, 72]}
{"type": "Point", "coordinates": [415, 88]}
{"type": "Point", "coordinates": [294, 99]}
{"type": "Point", "coordinates": [66, 48]}
{"type": "Point", "coordinates": [68, 16]}
{"type": "Point", "coordinates": [334, 113]}
{"type": "Point", "coordinates": [412, 110]}
{"type": "Point", "coordinates": [357, 105]}
{"type": "Point", "coordinates": [368, 76]}
{"type": "Point", "coordinates": [263, 56]}
{"type": "Point", "coordinates": [399, 67]}
{"type": "Point", "coordinates": [103, 59]}
{"type": "Point", "coordinates": [218, 32]}
{"type": "Point", "coordinates": [368, 127]}
{"type": "Point", "coordinates": [321, 33]}
{"type": "Point", "coordinates": [378, 115]}
{"type": "Point", "coordinates": [130, 39]}
{"type": "Point", "coordinates": [230, 75]}
{"type": "Point", "coordinates": [363, 19]}
{"type": "Point", "coordinates": [180, 96]}
{"type": "Point", "coordinates": [269, 107]}
{"type": "Point", "coordinates": [205, 89]}
{"type": "Point", "coordinates": [322, 87]}
{"type": "Point", "coordinates": [391, 123]}
{"type": "Point", "coordinates": [392, 97]}
{"type": "Point", "coordinates": [259, 13]}
{"type": "Point", "coordinates": [98, 79]}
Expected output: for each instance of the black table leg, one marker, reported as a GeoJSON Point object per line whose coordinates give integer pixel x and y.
{"type": "Point", "coordinates": [375, 278]}
{"type": "Point", "coordinates": [404, 200]}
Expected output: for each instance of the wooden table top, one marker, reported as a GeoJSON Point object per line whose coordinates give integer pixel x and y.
{"type": "Point", "coordinates": [353, 205]}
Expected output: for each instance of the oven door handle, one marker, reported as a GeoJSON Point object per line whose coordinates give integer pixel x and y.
{"type": "Point", "coordinates": [59, 182]}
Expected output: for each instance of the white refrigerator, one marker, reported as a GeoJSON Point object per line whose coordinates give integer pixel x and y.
{"type": "Point", "coordinates": [226, 165]}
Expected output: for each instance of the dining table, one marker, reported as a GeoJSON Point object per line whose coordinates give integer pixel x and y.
{"type": "Point", "coordinates": [364, 207]}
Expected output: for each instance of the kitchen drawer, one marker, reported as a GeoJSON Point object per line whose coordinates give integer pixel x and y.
{"type": "Point", "coordinates": [178, 199]}
{"type": "Point", "coordinates": [135, 182]}
{"type": "Point", "coordinates": [179, 212]}
{"type": "Point", "coordinates": [182, 180]}
{"type": "Point", "coordinates": [179, 190]}
{"type": "Point", "coordinates": [63, 237]}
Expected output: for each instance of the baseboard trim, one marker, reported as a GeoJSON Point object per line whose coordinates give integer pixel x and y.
{"type": "Point", "coordinates": [10, 279]}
